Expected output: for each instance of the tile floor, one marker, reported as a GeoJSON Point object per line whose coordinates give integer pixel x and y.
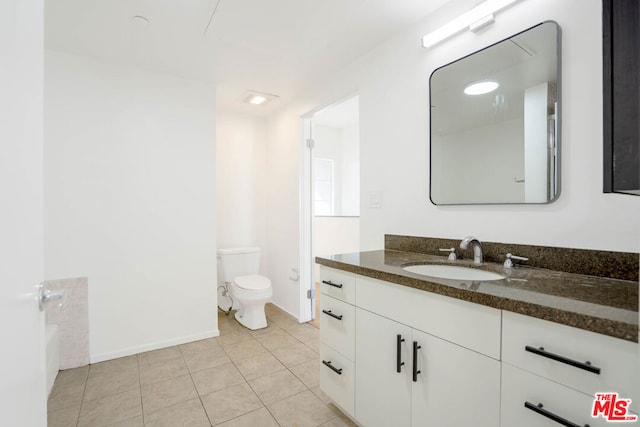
{"type": "Point", "coordinates": [241, 378]}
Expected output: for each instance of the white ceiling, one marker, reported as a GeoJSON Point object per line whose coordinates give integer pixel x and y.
{"type": "Point", "coordinates": [274, 46]}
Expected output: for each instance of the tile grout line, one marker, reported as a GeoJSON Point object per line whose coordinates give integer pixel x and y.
{"type": "Point", "coordinates": [140, 387]}
{"type": "Point", "coordinates": [194, 385]}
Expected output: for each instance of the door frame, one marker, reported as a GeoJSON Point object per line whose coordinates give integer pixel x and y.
{"type": "Point", "coordinates": [306, 254]}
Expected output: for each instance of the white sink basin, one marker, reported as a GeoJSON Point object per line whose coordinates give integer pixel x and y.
{"type": "Point", "coordinates": [452, 272]}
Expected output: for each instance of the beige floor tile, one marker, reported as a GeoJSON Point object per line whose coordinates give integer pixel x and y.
{"type": "Point", "coordinates": [277, 340]}
{"type": "Point", "coordinates": [163, 370]}
{"type": "Point", "coordinates": [131, 422]}
{"type": "Point", "coordinates": [294, 354]}
{"type": "Point", "coordinates": [313, 344]}
{"type": "Point", "coordinates": [230, 403]}
{"type": "Point", "coordinates": [199, 361]}
{"type": "Point", "coordinates": [113, 366]}
{"type": "Point", "coordinates": [308, 372]}
{"type": "Point", "coordinates": [100, 386]}
{"type": "Point", "coordinates": [270, 329]}
{"type": "Point", "coordinates": [167, 393]}
{"type": "Point", "coordinates": [258, 418]}
{"type": "Point", "coordinates": [66, 417]}
{"type": "Point", "coordinates": [110, 409]}
{"type": "Point", "coordinates": [339, 422]}
{"type": "Point", "coordinates": [72, 375]}
{"type": "Point", "coordinates": [277, 386]}
{"type": "Point", "coordinates": [209, 345]}
{"type": "Point", "coordinates": [321, 395]}
{"type": "Point", "coordinates": [304, 332]}
{"type": "Point", "coordinates": [229, 338]}
{"type": "Point", "coordinates": [301, 410]}
{"type": "Point", "coordinates": [257, 366]}
{"type": "Point", "coordinates": [244, 350]}
{"type": "Point", "coordinates": [189, 413]}
{"type": "Point", "coordinates": [217, 378]}
{"type": "Point", "coordinates": [66, 395]}
{"type": "Point", "coordinates": [160, 355]}
{"type": "Point", "coordinates": [283, 321]}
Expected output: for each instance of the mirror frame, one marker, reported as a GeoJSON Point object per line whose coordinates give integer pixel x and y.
{"type": "Point", "coordinates": [558, 119]}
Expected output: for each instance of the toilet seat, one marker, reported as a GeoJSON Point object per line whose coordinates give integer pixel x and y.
{"type": "Point", "coordinates": [252, 282]}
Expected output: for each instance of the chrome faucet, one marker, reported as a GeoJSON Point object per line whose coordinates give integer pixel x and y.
{"type": "Point", "coordinates": [477, 248]}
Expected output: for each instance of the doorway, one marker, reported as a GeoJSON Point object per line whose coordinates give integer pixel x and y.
{"type": "Point", "coordinates": [331, 177]}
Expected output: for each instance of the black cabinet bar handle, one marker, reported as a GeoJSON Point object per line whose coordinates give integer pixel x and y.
{"type": "Point", "coordinates": [415, 361]}
{"type": "Point", "coordinates": [557, 418]}
{"type": "Point", "coordinates": [333, 368]}
{"type": "Point", "coordinates": [330, 283]}
{"type": "Point", "coordinates": [399, 362]}
{"type": "Point", "coordinates": [335, 316]}
{"type": "Point", "coordinates": [582, 365]}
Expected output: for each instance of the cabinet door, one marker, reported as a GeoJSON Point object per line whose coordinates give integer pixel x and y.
{"type": "Point", "coordinates": [455, 386]}
{"type": "Point", "coordinates": [383, 395]}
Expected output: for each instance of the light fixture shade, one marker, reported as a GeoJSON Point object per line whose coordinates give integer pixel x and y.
{"type": "Point", "coordinates": [481, 87]}
{"type": "Point", "coordinates": [466, 20]}
{"type": "Point", "coordinates": [258, 98]}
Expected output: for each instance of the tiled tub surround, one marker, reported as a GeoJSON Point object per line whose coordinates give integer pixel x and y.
{"type": "Point", "coordinates": [604, 305]}
{"type": "Point", "coordinates": [72, 320]}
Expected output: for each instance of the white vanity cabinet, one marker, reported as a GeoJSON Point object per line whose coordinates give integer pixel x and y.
{"type": "Point", "coordinates": [398, 356]}
{"type": "Point", "coordinates": [407, 376]}
{"type": "Point", "coordinates": [562, 368]}
{"type": "Point", "coordinates": [337, 337]}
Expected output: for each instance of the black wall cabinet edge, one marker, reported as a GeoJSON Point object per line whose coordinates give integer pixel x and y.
{"type": "Point", "coordinates": [621, 96]}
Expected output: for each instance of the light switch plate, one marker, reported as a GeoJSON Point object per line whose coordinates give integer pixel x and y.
{"type": "Point", "coordinates": [374, 199]}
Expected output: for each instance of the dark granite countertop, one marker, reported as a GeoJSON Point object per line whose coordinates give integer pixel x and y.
{"type": "Point", "coordinates": [597, 304]}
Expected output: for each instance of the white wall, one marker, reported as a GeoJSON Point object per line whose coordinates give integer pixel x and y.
{"type": "Point", "coordinates": [392, 82]}
{"type": "Point", "coordinates": [241, 182]}
{"type": "Point", "coordinates": [129, 172]}
{"type": "Point", "coordinates": [335, 235]}
{"type": "Point", "coordinates": [458, 175]}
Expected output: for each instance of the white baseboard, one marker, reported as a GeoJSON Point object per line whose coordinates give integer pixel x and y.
{"type": "Point", "coordinates": [95, 358]}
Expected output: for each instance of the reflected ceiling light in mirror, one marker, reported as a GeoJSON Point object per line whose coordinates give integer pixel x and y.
{"type": "Point", "coordinates": [481, 87]}
{"type": "Point", "coordinates": [475, 19]}
{"type": "Point", "coordinates": [258, 98]}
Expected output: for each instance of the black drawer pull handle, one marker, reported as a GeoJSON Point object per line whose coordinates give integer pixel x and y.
{"type": "Point", "coordinates": [333, 368]}
{"type": "Point", "coordinates": [582, 365]}
{"type": "Point", "coordinates": [557, 418]}
{"type": "Point", "coordinates": [415, 361]}
{"type": "Point", "coordinates": [330, 283]}
{"type": "Point", "coordinates": [399, 362]}
{"type": "Point", "coordinates": [335, 316]}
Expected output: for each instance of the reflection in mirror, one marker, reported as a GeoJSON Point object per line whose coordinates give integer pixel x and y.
{"type": "Point", "coordinates": [336, 160]}
{"type": "Point", "coordinates": [495, 122]}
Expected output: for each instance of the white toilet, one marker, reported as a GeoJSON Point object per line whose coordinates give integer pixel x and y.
{"type": "Point", "coordinates": [241, 288]}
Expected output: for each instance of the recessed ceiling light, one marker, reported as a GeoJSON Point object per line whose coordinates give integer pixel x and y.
{"type": "Point", "coordinates": [139, 19]}
{"type": "Point", "coordinates": [258, 98]}
{"type": "Point", "coordinates": [482, 87]}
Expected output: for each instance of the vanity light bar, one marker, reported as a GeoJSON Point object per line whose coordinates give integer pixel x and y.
{"type": "Point", "coordinates": [476, 18]}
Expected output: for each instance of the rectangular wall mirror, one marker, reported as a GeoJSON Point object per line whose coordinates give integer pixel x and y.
{"type": "Point", "coordinates": [495, 122]}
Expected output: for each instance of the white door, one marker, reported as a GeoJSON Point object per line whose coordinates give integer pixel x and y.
{"type": "Point", "coordinates": [383, 395]}
{"type": "Point", "coordinates": [22, 384]}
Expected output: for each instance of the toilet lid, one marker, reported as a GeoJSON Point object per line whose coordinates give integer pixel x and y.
{"type": "Point", "coordinates": [252, 282]}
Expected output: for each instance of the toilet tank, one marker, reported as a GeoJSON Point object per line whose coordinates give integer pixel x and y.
{"type": "Point", "coordinates": [234, 262]}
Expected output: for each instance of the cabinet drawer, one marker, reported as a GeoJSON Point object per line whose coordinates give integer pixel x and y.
{"type": "Point", "coordinates": [615, 360]}
{"type": "Point", "coordinates": [337, 383]}
{"type": "Point", "coordinates": [469, 325]}
{"type": "Point", "coordinates": [519, 386]}
{"type": "Point", "coordinates": [338, 284]}
{"type": "Point", "coordinates": [337, 325]}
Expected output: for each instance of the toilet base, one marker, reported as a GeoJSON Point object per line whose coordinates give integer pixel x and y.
{"type": "Point", "coordinates": [252, 317]}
